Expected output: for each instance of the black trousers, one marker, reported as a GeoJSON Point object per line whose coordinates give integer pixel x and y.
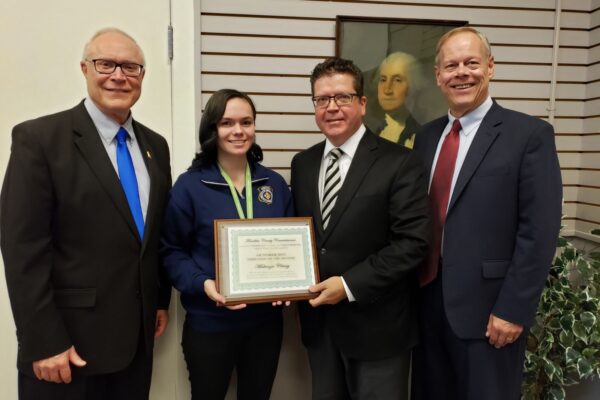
{"type": "Point", "coordinates": [211, 358]}
{"type": "Point", "coordinates": [338, 377]}
{"type": "Point", "coordinates": [446, 367]}
{"type": "Point", "coordinates": [131, 383]}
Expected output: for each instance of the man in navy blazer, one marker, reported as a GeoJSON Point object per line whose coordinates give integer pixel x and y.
{"type": "Point", "coordinates": [83, 279]}
{"type": "Point", "coordinates": [497, 222]}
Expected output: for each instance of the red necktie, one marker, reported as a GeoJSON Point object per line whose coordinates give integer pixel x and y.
{"type": "Point", "coordinates": [439, 195]}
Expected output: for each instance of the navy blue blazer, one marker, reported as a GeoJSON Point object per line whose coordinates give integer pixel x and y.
{"type": "Point", "coordinates": [503, 220]}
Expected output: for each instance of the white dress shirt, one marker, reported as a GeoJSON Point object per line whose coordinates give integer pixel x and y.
{"type": "Point", "coordinates": [108, 128]}
{"type": "Point", "coordinates": [348, 150]}
{"type": "Point", "coordinates": [469, 125]}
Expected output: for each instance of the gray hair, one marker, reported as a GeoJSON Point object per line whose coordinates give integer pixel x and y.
{"type": "Point", "coordinates": [414, 75]}
{"type": "Point", "coordinates": [86, 48]}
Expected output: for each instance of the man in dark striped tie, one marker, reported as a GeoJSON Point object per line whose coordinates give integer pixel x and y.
{"type": "Point", "coordinates": [368, 199]}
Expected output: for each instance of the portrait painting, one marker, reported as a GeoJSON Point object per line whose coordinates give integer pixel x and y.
{"type": "Point", "coordinates": [397, 58]}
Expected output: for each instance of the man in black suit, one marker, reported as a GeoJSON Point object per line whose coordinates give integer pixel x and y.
{"type": "Point", "coordinates": [495, 192]}
{"type": "Point", "coordinates": [367, 197]}
{"type": "Point", "coordinates": [81, 255]}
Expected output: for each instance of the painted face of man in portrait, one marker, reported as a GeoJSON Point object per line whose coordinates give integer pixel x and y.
{"type": "Point", "coordinates": [392, 87]}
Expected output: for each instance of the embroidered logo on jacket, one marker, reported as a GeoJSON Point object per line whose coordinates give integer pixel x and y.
{"type": "Point", "coordinates": [265, 194]}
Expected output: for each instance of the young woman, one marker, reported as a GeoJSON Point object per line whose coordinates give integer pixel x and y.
{"type": "Point", "coordinates": [225, 180]}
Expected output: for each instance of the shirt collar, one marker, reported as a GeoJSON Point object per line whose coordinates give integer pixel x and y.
{"type": "Point", "coordinates": [349, 147]}
{"type": "Point", "coordinates": [472, 120]}
{"type": "Point", "coordinates": [107, 127]}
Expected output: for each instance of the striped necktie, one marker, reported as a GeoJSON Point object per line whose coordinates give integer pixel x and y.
{"type": "Point", "coordinates": [333, 183]}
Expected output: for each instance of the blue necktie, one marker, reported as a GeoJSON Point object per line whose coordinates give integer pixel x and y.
{"type": "Point", "coordinates": [128, 180]}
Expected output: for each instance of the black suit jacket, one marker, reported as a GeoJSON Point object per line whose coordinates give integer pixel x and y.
{"type": "Point", "coordinates": [76, 270]}
{"type": "Point", "coordinates": [377, 235]}
{"type": "Point", "coordinates": [503, 220]}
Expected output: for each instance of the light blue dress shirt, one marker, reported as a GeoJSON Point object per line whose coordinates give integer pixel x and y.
{"type": "Point", "coordinates": [108, 128]}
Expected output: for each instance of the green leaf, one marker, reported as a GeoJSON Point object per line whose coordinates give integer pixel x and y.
{"type": "Point", "coordinates": [572, 355]}
{"type": "Point", "coordinates": [569, 254]}
{"type": "Point", "coordinates": [564, 282]}
{"type": "Point", "coordinates": [579, 331]}
{"type": "Point", "coordinates": [585, 268]}
{"type": "Point", "coordinates": [567, 322]}
{"type": "Point", "coordinates": [589, 353]}
{"type": "Point", "coordinates": [555, 393]}
{"type": "Point", "coordinates": [596, 232]}
{"type": "Point", "coordinates": [549, 368]}
{"type": "Point", "coordinates": [554, 324]}
{"type": "Point", "coordinates": [558, 375]}
{"type": "Point", "coordinates": [564, 343]}
{"type": "Point", "coordinates": [587, 296]}
{"type": "Point", "coordinates": [591, 304]}
{"type": "Point", "coordinates": [567, 339]}
{"type": "Point", "coordinates": [584, 368]}
{"type": "Point", "coordinates": [572, 297]}
{"type": "Point", "coordinates": [588, 320]}
{"type": "Point", "coordinates": [536, 329]}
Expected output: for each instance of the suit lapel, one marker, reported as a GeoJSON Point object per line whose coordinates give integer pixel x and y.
{"type": "Point", "coordinates": [154, 174]}
{"type": "Point", "coordinates": [486, 134]}
{"type": "Point", "coordinates": [364, 157]}
{"type": "Point", "coordinates": [90, 145]}
{"type": "Point", "coordinates": [311, 190]}
{"type": "Point", "coordinates": [431, 147]}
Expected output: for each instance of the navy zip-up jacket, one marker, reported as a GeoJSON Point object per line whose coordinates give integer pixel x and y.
{"type": "Point", "coordinates": [187, 246]}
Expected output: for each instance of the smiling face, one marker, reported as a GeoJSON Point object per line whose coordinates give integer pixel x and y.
{"type": "Point", "coordinates": [392, 87]}
{"type": "Point", "coordinates": [338, 123]}
{"type": "Point", "coordinates": [463, 72]}
{"type": "Point", "coordinates": [236, 129]}
{"type": "Point", "coordinates": [114, 94]}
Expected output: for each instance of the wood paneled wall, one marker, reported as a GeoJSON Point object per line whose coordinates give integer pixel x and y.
{"type": "Point", "coordinates": [269, 47]}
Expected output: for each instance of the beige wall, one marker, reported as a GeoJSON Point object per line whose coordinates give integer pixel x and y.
{"type": "Point", "coordinates": [41, 44]}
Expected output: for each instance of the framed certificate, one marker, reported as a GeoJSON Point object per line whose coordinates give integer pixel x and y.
{"type": "Point", "coordinates": [265, 259]}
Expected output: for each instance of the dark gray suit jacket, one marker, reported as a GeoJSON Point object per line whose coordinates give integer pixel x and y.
{"type": "Point", "coordinates": [376, 237]}
{"type": "Point", "coordinates": [76, 270]}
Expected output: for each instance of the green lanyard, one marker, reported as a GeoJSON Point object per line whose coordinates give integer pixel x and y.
{"type": "Point", "coordinates": [234, 193]}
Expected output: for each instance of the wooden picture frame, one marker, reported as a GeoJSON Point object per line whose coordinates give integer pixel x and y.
{"type": "Point", "coordinates": [265, 259]}
{"type": "Point", "coordinates": [406, 95]}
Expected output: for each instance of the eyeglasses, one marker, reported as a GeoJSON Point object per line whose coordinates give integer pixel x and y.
{"type": "Point", "coordinates": [108, 67]}
{"type": "Point", "coordinates": [342, 99]}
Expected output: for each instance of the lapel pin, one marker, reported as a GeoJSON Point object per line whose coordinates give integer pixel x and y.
{"type": "Point", "coordinates": [148, 154]}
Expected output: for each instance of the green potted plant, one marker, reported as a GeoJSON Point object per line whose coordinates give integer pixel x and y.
{"type": "Point", "coordinates": [563, 346]}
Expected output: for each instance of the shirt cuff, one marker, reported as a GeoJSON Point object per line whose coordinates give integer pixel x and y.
{"type": "Point", "coordinates": [347, 290]}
